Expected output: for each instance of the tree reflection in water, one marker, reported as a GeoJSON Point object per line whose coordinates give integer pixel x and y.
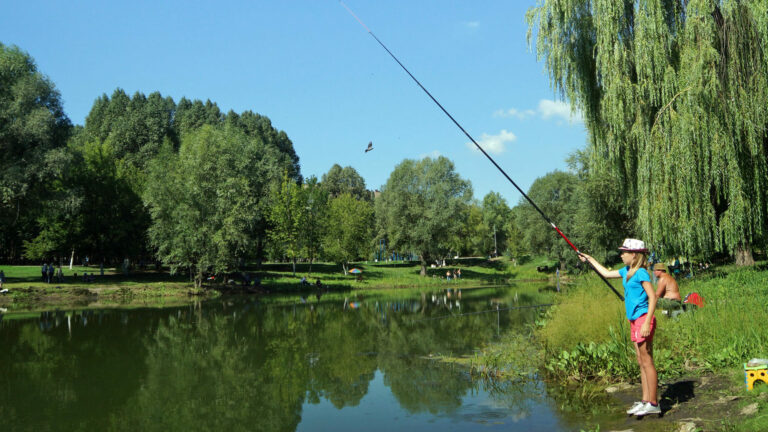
{"type": "Point", "coordinates": [247, 364]}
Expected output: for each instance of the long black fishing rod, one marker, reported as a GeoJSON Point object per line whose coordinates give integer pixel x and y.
{"type": "Point", "coordinates": [543, 215]}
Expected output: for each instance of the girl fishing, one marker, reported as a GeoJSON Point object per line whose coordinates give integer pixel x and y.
{"type": "Point", "coordinates": [640, 305]}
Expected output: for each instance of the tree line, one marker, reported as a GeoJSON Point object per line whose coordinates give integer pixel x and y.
{"type": "Point", "coordinates": [676, 155]}
{"type": "Point", "coordinates": [200, 190]}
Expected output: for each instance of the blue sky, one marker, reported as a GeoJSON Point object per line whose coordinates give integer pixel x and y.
{"type": "Point", "coordinates": [316, 73]}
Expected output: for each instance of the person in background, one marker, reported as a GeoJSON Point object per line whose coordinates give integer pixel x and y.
{"type": "Point", "coordinates": [667, 290]}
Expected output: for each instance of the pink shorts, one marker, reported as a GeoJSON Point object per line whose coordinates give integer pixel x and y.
{"type": "Point", "coordinates": [634, 329]}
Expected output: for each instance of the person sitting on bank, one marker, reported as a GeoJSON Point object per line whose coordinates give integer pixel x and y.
{"type": "Point", "coordinates": [667, 290]}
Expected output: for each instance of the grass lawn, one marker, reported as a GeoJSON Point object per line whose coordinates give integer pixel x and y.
{"type": "Point", "coordinates": [28, 291]}
{"type": "Point", "coordinates": [474, 272]}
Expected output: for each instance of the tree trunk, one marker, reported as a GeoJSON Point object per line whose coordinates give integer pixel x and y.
{"type": "Point", "coordinates": [72, 258]}
{"type": "Point", "coordinates": [294, 266]}
{"type": "Point", "coordinates": [310, 265]}
{"type": "Point", "coordinates": [743, 255]}
{"type": "Point", "coordinates": [423, 271]}
{"type": "Point", "coordinates": [344, 266]}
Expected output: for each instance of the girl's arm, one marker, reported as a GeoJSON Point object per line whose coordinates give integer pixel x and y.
{"type": "Point", "coordinates": [608, 274]}
{"type": "Point", "coordinates": [645, 329]}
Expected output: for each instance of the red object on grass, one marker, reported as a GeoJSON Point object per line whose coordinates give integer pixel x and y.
{"type": "Point", "coordinates": [694, 298]}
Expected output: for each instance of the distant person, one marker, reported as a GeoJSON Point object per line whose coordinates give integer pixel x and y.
{"type": "Point", "coordinates": [59, 275]}
{"type": "Point", "coordinates": [51, 269]}
{"type": "Point", "coordinates": [44, 271]}
{"type": "Point", "coordinates": [448, 275]}
{"type": "Point", "coordinates": [304, 281]}
{"type": "Point", "coordinates": [318, 284]}
{"type": "Point", "coordinates": [458, 273]}
{"type": "Point", "coordinates": [2, 279]}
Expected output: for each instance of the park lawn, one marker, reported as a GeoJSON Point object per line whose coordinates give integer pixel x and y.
{"type": "Point", "coordinates": [27, 291]}
{"type": "Point", "coordinates": [474, 272]}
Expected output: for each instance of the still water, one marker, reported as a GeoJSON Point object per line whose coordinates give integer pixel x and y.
{"type": "Point", "coordinates": [341, 362]}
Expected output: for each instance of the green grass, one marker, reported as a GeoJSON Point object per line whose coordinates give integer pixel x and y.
{"type": "Point", "coordinates": [29, 292]}
{"type": "Point", "coordinates": [474, 272]}
{"type": "Point", "coordinates": [728, 331]}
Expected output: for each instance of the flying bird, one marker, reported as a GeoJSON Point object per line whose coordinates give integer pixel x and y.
{"type": "Point", "coordinates": [370, 147]}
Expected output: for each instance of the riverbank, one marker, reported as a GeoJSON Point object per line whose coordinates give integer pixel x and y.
{"type": "Point", "coordinates": [583, 343]}
{"type": "Point", "coordinates": [147, 288]}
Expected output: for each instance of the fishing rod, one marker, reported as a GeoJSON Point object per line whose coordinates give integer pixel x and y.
{"type": "Point", "coordinates": [543, 215]}
{"type": "Point", "coordinates": [485, 311]}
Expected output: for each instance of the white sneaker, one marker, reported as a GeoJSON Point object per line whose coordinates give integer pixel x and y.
{"type": "Point", "coordinates": [635, 407]}
{"type": "Point", "coordinates": [648, 409]}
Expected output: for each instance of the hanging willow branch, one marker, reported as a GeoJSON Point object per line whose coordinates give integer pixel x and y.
{"type": "Point", "coordinates": [674, 98]}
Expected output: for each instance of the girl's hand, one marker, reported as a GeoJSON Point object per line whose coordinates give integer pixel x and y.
{"type": "Point", "coordinates": [645, 329]}
{"type": "Point", "coordinates": [584, 257]}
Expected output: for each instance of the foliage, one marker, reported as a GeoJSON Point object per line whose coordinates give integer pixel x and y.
{"type": "Point", "coordinates": [287, 214]}
{"type": "Point", "coordinates": [496, 213]}
{"type": "Point", "coordinates": [673, 95]}
{"type": "Point", "coordinates": [316, 206]}
{"type": "Point", "coordinates": [338, 181]}
{"type": "Point", "coordinates": [92, 207]}
{"type": "Point", "coordinates": [347, 229]}
{"type": "Point", "coordinates": [556, 194]}
{"type": "Point", "coordinates": [32, 125]}
{"type": "Point", "coordinates": [602, 220]}
{"type": "Point", "coordinates": [420, 207]}
{"type": "Point", "coordinates": [205, 200]}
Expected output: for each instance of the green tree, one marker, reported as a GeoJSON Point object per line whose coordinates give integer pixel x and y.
{"type": "Point", "coordinates": [496, 213]}
{"type": "Point", "coordinates": [205, 201]}
{"type": "Point", "coordinates": [556, 194]}
{"type": "Point", "coordinates": [347, 229]}
{"type": "Point", "coordinates": [421, 205]}
{"type": "Point", "coordinates": [673, 95]}
{"type": "Point", "coordinates": [32, 125]}
{"type": "Point", "coordinates": [92, 208]}
{"type": "Point", "coordinates": [315, 199]}
{"type": "Point", "coordinates": [472, 237]}
{"type": "Point", "coordinates": [602, 219]}
{"type": "Point", "coordinates": [286, 216]}
{"type": "Point", "coordinates": [338, 181]}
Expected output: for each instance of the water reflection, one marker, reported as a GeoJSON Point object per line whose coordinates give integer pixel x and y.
{"type": "Point", "coordinates": [263, 363]}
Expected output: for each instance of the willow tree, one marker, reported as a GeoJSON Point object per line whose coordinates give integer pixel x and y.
{"type": "Point", "coordinates": [674, 95]}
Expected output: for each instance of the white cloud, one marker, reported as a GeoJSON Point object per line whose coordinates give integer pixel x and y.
{"type": "Point", "coordinates": [549, 108]}
{"type": "Point", "coordinates": [494, 143]}
{"type": "Point", "coordinates": [512, 112]}
{"type": "Point", "coordinates": [546, 110]}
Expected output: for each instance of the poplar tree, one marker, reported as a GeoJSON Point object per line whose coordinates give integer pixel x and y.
{"type": "Point", "coordinates": [674, 95]}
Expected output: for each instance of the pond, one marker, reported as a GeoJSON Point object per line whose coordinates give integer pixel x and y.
{"type": "Point", "coordinates": [340, 361]}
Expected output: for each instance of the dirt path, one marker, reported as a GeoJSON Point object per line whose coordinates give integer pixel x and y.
{"type": "Point", "coordinates": [708, 403]}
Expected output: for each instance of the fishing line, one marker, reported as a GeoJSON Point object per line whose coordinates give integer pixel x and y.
{"type": "Point", "coordinates": [543, 215]}
{"type": "Point", "coordinates": [484, 311]}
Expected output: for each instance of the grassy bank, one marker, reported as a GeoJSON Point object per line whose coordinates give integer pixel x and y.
{"type": "Point", "coordinates": [28, 291]}
{"type": "Point", "coordinates": [584, 339]}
